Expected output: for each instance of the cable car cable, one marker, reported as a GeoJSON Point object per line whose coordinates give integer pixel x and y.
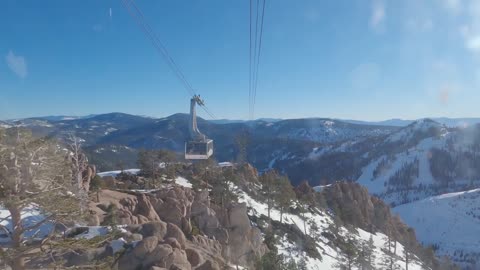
{"type": "Point", "coordinates": [259, 52]}
{"type": "Point", "coordinates": [139, 18]}
{"type": "Point", "coordinates": [254, 58]}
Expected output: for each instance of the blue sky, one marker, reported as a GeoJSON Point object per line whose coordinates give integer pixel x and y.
{"type": "Point", "coordinates": [355, 59]}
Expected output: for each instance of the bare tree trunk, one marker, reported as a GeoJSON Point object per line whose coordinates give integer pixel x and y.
{"type": "Point", "coordinates": [406, 259]}
{"type": "Point", "coordinates": [268, 206]}
{"type": "Point", "coordinates": [18, 262]}
{"type": "Point", "coordinates": [304, 224]}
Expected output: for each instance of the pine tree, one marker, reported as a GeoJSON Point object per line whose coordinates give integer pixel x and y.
{"type": "Point", "coordinates": [34, 173]}
{"type": "Point", "coordinates": [154, 163]}
{"type": "Point", "coordinates": [269, 188]}
{"type": "Point", "coordinates": [241, 143]}
{"type": "Point", "coordinates": [314, 230]}
{"type": "Point", "coordinates": [302, 264]}
{"type": "Point", "coordinates": [284, 194]}
{"type": "Point", "coordinates": [408, 247]}
{"type": "Point", "coordinates": [348, 255]}
{"type": "Point", "coordinates": [366, 255]}
{"type": "Point", "coordinates": [388, 260]}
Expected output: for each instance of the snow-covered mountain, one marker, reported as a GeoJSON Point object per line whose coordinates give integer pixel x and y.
{"type": "Point", "coordinates": [321, 130]}
{"type": "Point", "coordinates": [449, 122]}
{"type": "Point", "coordinates": [402, 165]}
{"type": "Point", "coordinates": [450, 222]}
{"type": "Point", "coordinates": [415, 163]}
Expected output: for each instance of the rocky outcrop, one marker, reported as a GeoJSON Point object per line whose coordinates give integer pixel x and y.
{"type": "Point", "coordinates": [169, 216]}
{"type": "Point", "coordinates": [164, 245]}
{"type": "Point", "coordinates": [244, 241]}
{"type": "Point", "coordinates": [354, 205]}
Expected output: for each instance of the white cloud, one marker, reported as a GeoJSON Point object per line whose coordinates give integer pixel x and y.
{"type": "Point", "coordinates": [378, 15]}
{"type": "Point", "coordinates": [473, 43]}
{"type": "Point", "coordinates": [110, 12]}
{"type": "Point", "coordinates": [17, 64]}
{"type": "Point", "coordinates": [470, 29]}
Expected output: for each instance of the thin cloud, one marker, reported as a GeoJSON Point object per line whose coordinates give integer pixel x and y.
{"type": "Point", "coordinates": [17, 64]}
{"type": "Point", "coordinates": [100, 27]}
{"type": "Point", "coordinates": [378, 15]}
{"type": "Point", "coordinates": [473, 43]}
{"type": "Point", "coordinates": [470, 29]}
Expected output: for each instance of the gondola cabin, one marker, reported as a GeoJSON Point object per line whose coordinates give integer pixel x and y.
{"type": "Point", "coordinates": [199, 149]}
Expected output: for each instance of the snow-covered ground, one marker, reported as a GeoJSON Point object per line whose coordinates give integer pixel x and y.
{"type": "Point", "coordinates": [115, 173]}
{"type": "Point", "coordinates": [30, 217]}
{"type": "Point", "coordinates": [183, 182]}
{"type": "Point", "coordinates": [451, 221]}
{"type": "Point", "coordinates": [330, 255]}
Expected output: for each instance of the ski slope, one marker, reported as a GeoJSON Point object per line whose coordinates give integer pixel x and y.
{"type": "Point", "coordinates": [451, 221]}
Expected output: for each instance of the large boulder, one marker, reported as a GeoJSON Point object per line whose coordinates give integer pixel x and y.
{"type": "Point", "coordinates": [145, 208]}
{"type": "Point", "coordinates": [161, 256]}
{"type": "Point", "coordinates": [136, 258]}
{"type": "Point", "coordinates": [180, 260]}
{"type": "Point", "coordinates": [243, 238]}
{"type": "Point", "coordinates": [194, 257]}
{"type": "Point", "coordinates": [203, 242]}
{"type": "Point", "coordinates": [175, 232]}
{"type": "Point", "coordinates": [158, 229]}
{"type": "Point", "coordinates": [171, 210]}
{"type": "Point", "coordinates": [145, 247]}
{"type": "Point", "coordinates": [174, 205]}
{"type": "Point", "coordinates": [173, 242]}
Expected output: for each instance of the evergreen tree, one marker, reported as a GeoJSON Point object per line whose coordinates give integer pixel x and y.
{"type": "Point", "coordinates": [302, 264]}
{"type": "Point", "coordinates": [388, 260]}
{"type": "Point", "coordinates": [314, 230]}
{"type": "Point", "coordinates": [366, 255]}
{"type": "Point", "coordinates": [284, 194]}
{"type": "Point", "coordinates": [348, 255]}
{"type": "Point", "coordinates": [408, 247]}
{"type": "Point", "coordinates": [34, 173]}
{"type": "Point", "coordinates": [269, 188]}
{"type": "Point", "coordinates": [154, 163]}
{"type": "Point", "coordinates": [241, 143]}
{"type": "Point", "coordinates": [305, 202]}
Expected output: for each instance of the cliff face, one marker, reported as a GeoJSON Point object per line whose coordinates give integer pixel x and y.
{"type": "Point", "coordinates": [355, 206]}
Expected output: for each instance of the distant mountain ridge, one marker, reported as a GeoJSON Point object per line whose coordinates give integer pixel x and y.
{"type": "Point", "coordinates": [396, 122]}
{"type": "Point", "coordinates": [449, 122]}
